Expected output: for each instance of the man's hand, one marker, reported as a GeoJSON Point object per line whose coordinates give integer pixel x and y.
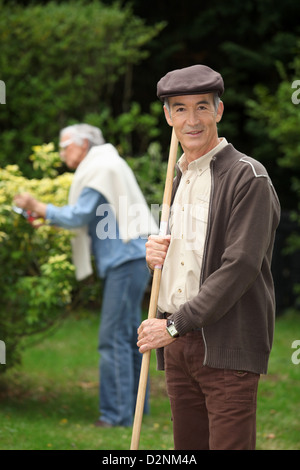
{"type": "Point", "coordinates": [29, 203]}
{"type": "Point", "coordinates": [152, 334]}
{"type": "Point", "coordinates": [156, 250]}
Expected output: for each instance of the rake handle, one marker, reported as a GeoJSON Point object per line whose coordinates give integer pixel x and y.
{"type": "Point", "coordinates": [139, 410]}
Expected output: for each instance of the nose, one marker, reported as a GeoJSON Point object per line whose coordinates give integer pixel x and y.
{"type": "Point", "coordinates": [192, 117]}
{"type": "Point", "coordinates": [62, 153]}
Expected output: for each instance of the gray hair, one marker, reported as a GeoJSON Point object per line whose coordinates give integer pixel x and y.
{"type": "Point", "coordinates": [216, 101]}
{"type": "Point", "coordinates": [79, 132]}
{"type": "Point", "coordinates": [215, 97]}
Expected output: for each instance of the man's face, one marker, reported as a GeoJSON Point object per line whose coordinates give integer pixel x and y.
{"type": "Point", "coordinates": [71, 152]}
{"type": "Point", "coordinates": [194, 119]}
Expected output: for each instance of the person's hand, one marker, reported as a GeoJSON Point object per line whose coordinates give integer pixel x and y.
{"type": "Point", "coordinates": [152, 334]}
{"type": "Point", "coordinates": [29, 203]}
{"type": "Point", "coordinates": [156, 250]}
{"type": "Point", "coordinates": [25, 201]}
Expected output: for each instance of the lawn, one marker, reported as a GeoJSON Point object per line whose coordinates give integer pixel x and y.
{"type": "Point", "coordinates": [51, 401]}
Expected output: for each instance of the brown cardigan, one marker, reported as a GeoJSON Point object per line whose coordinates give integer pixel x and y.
{"type": "Point", "coordinates": [235, 306]}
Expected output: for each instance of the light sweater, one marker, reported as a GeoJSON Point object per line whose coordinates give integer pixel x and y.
{"type": "Point", "coordinates": [106, 172]}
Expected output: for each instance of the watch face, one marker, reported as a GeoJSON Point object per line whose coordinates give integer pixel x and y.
{"type": "Point", "coordinates": [172, 330]}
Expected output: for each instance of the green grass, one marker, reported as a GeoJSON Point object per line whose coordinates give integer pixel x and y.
{"type": "Point", "coordinates": [51, 401]}
{"type": "Point", "coordinates": [279, 393]}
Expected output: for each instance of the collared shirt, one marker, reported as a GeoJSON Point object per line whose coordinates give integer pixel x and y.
{"type": "Point", "coordinates": [188, 224]}
{"type": "Point", "coordinates": [108, 248]}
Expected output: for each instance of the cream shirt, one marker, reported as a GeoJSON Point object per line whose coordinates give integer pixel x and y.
{"type": "Point", "coordinates": [188, 224]}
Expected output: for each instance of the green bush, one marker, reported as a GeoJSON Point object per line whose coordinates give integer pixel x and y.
{"type": "Point", "coordinates": [37, 275]}
{"type": "Point", "coordinates": [67, 62]}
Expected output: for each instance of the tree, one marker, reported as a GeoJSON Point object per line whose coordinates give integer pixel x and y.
{"type": "Point", "coordinates": [63, 63]}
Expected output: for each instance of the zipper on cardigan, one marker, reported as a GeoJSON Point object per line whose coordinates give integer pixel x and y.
{"type": "Point", "coordinates": [205, 245]}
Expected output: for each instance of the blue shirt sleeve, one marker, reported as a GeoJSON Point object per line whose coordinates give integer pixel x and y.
{"type": "Point", "coordinates": [78, 215]}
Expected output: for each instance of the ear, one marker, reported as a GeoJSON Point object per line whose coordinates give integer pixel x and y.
{"type": "Point", "coordinates": [85, 145]}
{"type": "Point", "coordinates": [168, 117]}
{"type": "Point", "coordinates": [220, 111]}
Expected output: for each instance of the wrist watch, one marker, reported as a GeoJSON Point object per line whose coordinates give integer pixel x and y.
{"type": "Point", "coordinates": [171, 329]}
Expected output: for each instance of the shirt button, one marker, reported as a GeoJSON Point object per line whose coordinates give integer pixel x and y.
{"type": "Point", "coordinates": [187, 181]}
{"type": "Point", "coordinates": [179, 291]}
{"type": "Point", "coordinates": [182, 263]}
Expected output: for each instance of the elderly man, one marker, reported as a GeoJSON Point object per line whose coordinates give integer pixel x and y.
{"type": "Point", "coordinates": [107, 211]}
{"type": "Point", "coordinates": [216, 303]}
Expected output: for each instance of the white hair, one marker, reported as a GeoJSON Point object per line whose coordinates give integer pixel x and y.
{"type": "Point", "coordinates": [79, 132]}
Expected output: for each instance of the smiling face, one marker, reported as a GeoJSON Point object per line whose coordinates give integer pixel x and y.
{"type": "Point", "coordinates": [194, 119]}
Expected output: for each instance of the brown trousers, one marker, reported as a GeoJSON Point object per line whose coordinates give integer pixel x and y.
{"type": "Point", "coordinates": [212, 409]}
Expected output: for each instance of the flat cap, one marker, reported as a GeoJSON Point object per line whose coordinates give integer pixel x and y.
{"type": "Point", "coordinates": [194, 80]}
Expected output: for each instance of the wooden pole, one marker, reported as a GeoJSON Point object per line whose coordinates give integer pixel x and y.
{"type": "Point", "coordinates": [139, 410]}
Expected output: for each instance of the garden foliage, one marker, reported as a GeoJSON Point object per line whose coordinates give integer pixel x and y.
{"type": "Point", "coordinates": [37, 275]}
{"type": "Point", "coordinates": [69, 62]}
{"type": "Point", "coordinates": [280, 115]}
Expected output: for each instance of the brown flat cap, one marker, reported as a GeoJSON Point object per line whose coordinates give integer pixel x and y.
{"type": "Point", "coordinates": [194, 80]}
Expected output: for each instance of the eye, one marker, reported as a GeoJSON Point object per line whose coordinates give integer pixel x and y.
{"type": "Point", "coordinates": [180, 109]}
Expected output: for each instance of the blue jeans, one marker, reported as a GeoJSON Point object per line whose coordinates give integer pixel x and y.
{"type": "Point", "coordinates": [120, 360]}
